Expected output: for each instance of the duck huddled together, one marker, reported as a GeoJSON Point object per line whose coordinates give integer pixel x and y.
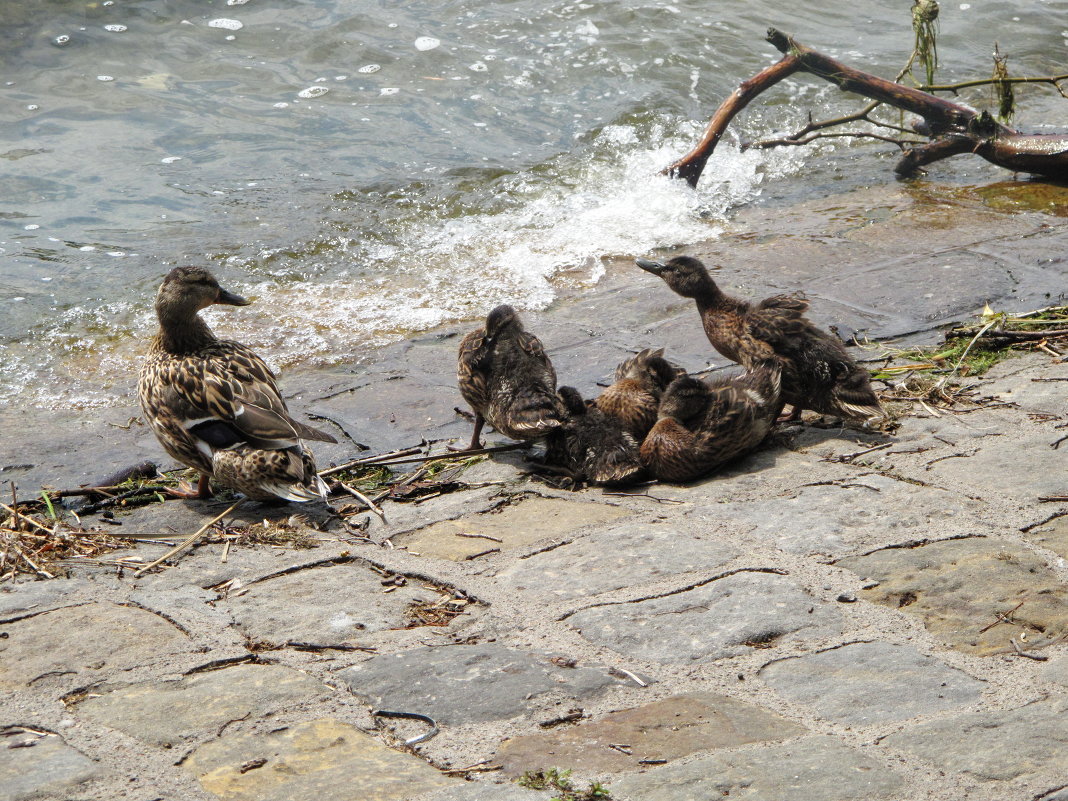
{"type": "Point", "coordinates": [656, 420]}
{"type": "Point", "coordinates": [214, 404]}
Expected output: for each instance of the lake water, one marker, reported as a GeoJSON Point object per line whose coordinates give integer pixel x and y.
{"type": "Point", "coordinates": [366, 170]}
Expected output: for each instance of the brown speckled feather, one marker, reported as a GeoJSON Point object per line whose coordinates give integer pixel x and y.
{"type": "Point", "coordinates": [635, 396]}
{"type": "Point", "coordinates": [592, 445]}
{"type": "Point", "coordinates": [704, 426]}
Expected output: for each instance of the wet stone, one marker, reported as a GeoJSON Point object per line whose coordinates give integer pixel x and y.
{"type": "Point", "coordinates": [122, 637]}
{"type": "Point", "coordinates": [518, 524]}
{"type": "Point", "coordinates": [813, 769]}
{"type": "Point", "coordinates": [310, 761]}
{"type": "Point", "coordinates": [625, 556]}
{"type": "Point", "coordinates": [723, 618]}
{"type": "Point", "coordinates": [166, 713]}
{"type": "Point", "coordinates": [865, 512]}
{"type": "Point", "coordinates": [46, 770]}
{"type": "Point", "coordinates": [866, 683]}
{"type": "Point", "coordinates": [667, 729]}
{"type": "Point", "coordinates": [469, 683]}
{"type": "Point", "coordinates": [994, 746]}
{"type": "Point", "coordinates": [957, 586]}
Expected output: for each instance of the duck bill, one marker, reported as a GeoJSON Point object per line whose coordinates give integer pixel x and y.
{"type": "Point", "coordinates": [228, 298]}
{"type": "Point", "coordinates": [654, 267]}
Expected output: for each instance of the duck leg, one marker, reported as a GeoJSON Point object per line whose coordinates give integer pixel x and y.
{"type": "Point", "coordinates": [793, 417]}
{"type": "Point", "coordinates": [475, 443]}
{"type": "Point", "coordinates": [202, 492]}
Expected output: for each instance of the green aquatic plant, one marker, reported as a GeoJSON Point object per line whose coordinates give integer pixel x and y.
{"type": "Point", "coordinates": [559, 781]}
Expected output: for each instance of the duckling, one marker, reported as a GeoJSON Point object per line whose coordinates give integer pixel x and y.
{"type": "Point", "coordinates": [817, 372]}
{"type": "Point", "coordinates": [214, 404]}
{"type": "Point", "coordinates": [703, 426]}
{"type": "Point", "coordinates": [634, 397]}
{"type": "Point", "coordinates": [592, 445]}
{"type": "Point", "coordinates": [506, 377]}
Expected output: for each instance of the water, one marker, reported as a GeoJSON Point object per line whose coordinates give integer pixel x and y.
{"type": "Point", "coordinates": [366, 170]}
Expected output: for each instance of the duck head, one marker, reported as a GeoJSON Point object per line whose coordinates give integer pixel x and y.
{"type": "Point", "coordinates": [684, 399]}
{"type": "Point", "coordinates": [573, 401]}
{"type": "Point", "coordinates": [685, 275]}
{"type": "Point", "coordinates": [187, 290]}
{"type": "Point", "coordinates": [500, 320]}
{"type": "Point", "coordinates": [648, 367]}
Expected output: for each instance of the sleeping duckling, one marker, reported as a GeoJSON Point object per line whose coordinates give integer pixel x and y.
{"type": "Point", "coordinates": [817, 372]}
{"type": "Point", "coordinates": [506, 377]}
{"type": "Point", "coordinates": [635, 396]}
{"type": "Point", "coordinates": [214, 404]}
{"type": "Point", "coordinates": [704, 426]}
{"type": "Point", "coordinates": [592, 445]}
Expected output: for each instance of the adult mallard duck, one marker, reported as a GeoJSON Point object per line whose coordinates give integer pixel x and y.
{"type": "Point", "coordinates": [591, 445]}
{"type": "Point", "coordinates": [704, 426]}
{"type": "Point", "coordinates": [506, 377]}
{"type": "Point", "coordinates": [214, 405]}
{"type": "Point", "coordinates": [817, 372]}
{"type": "Point", "coordinates": [635, 396]}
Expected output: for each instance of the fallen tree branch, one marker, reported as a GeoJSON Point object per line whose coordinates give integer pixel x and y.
{"type": "Point", "coordinates": [952, 128]}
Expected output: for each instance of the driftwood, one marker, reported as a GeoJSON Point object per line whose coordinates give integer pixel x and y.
{"type": "Point", "coordinates": [952, 128]}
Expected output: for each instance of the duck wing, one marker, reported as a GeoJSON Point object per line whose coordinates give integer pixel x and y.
{"type": "Point", "coordinates": [793, 302]}
{"type": "Point", "coordinates": [230, 396]}
{"type": "Point", "coordinates": [472, 369]}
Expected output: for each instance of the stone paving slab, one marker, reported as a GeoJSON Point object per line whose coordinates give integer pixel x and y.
{"type": "Point", "coordinates": [310, 761]}
{"type": "Point", "coordinates": [626, 555]}
{"type": "Point", "coordinates": [853, 514]}
{"type": "Point", "coordinates": [957, 586]}
{"type": "Point", "coordinates": [861, 684]}
{"type": "Point", "coordinates": [722, 618]}
{"type": "Point", "coordinates": [33, 597]}
{"type": "Point", "coordinates": [1001, 745]}
{"type": "Point", "coordinates": [813, 769]}
{"type": "Point", "coordinates": [469, 683]}
{"type": "Point", "coordinates": [485, 791]}
{"type": "Point", "coordinates": [122, 637]}
{"type": "Point", "coordinates": [515, 525]}
{"type": "Point", "coordinates": [329, 605]}
{"type": "Point", "coordinates": [1053, 536]}
{"type": "Point", "coordinates": [46, 770]}
{"type": "Point", "coordinates": [166, 713]}
{"type": "Point", "coordinates": [668, 729]}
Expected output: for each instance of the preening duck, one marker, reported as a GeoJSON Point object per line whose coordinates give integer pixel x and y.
{"type": "Point", "coordinates": [634, 397]}
{"type": "Point", "coordinates": [506, 377]}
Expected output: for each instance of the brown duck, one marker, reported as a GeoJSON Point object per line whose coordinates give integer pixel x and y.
{"type": "Point", "coordinates": [817, 372]}
{"type": "Point", "coordinates": [591, 445]}
{"type": "Point", "coordinates": [703, 426]}
{"type": "Point", "coordinates": [506, 377]}
{"type": "Point", "coordinates": [214, 405]}
{"type": "Point", "coordinates": [635, 396]}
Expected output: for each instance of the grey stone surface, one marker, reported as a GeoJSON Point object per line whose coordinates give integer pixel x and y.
{"type": "Point", "coordinates": [84, 642]}
{"type": "Point", "coordinates": [813, 769]}
{"type": "Point", "coordinates": [668, 729]}
{"type": "Point", "coordinates": [166, 713]}
{"type": "Point", "coordinates": [47, 769]}
{"type": "Point", "coordinates": [852, 515]}
{"type": "Point", "coordinates": [311, 761]}
{"type": "Point", "coordinates": [958, 586]}
{"type": "Point", "coordinates": [626, 555]}
{"type": "Point", "coordinates": [711, 621]}
{"type": "Point", "coordinates": [994, 746]}
{"type": "Point", "coordinates": [34, 597]}
{"type": "Point", "coordinates": [484, 791]}
{"type": "Point", "coordinates": [469, 683]}
{"type": "Point", "coordinates": [326, 605]}
{"type": "Point", "coordinates": [866, 683]}
{"type": "Point", "coordinates": [1060, 794]}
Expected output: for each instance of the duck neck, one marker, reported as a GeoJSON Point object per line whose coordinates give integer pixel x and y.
{"type": "Point", "coordinates": [711, 297]}
{"type": "Point", "coordinates": [181, 331]}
